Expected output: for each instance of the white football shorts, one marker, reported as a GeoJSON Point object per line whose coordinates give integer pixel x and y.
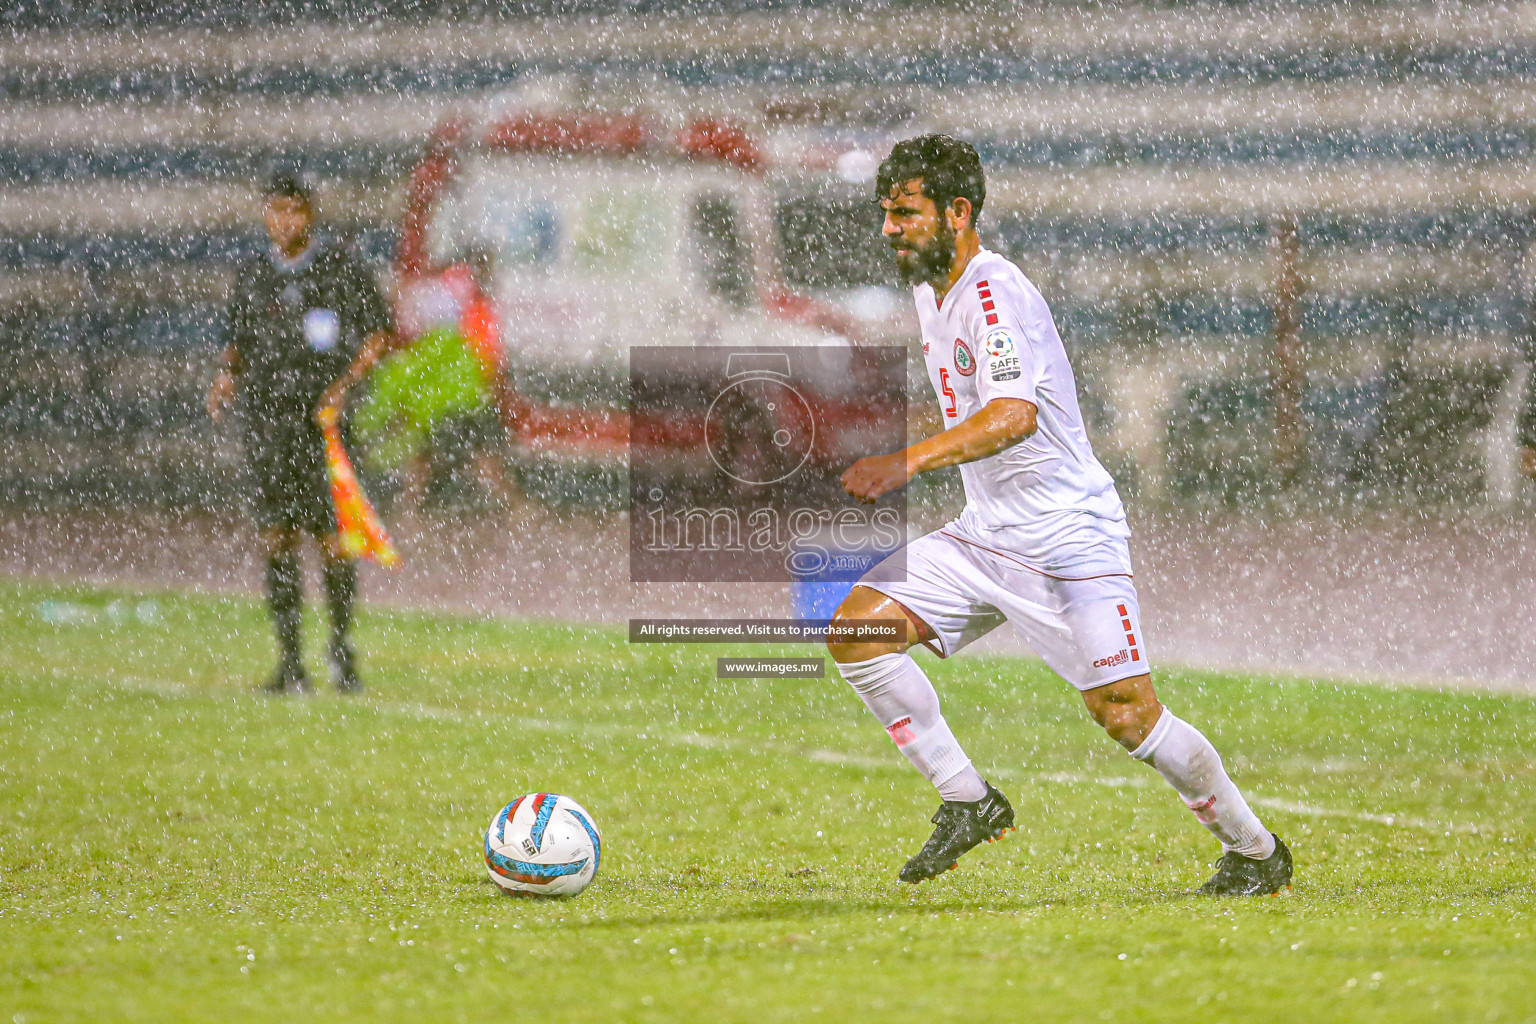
{"type": "Point", "coordinates": [1087, 629]}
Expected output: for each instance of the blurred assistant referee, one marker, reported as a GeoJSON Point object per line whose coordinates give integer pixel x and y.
{"type": "Point", "coordinates": [306, 321]}
{"type": "Point", "coordinates": [1527, 421]}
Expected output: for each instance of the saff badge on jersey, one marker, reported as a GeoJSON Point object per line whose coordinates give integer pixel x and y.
{"type": "Point", "coordinates": [1002, 355]}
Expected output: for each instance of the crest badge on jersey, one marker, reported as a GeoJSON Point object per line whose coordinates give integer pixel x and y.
{"type": "Point", "coordinates": [965, 363]}
{"type": "Point", "coordinates": [1002, 356]}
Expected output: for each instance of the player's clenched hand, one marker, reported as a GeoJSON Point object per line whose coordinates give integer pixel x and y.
{"type": "Point", "coordinates": [220, 394]}
{"type": "Point", "coordinates": [328, 412]}
{"type": "Point", "coordinates": [871, 477]}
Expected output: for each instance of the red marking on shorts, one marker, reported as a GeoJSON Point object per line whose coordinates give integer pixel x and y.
{"type": "Point", "coordinates": [1130, 637]}
{"type": "Point", "coordinates": [988, 305]}
{"type": "Point", "coordinates": [901, 731]}
{"type": "Point", "coordinates": [985, 293]}
{"type": "Point", "coordinates": [991, 319]}
{"type": "Point", "coordinates": [982, 284]}
{"type": "Point", "coordinates": [1128, 653]}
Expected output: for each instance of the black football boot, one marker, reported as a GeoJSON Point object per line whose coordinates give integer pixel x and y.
{"type": "Point", "coordinates": [958, 826]}
{"type": "Point", "coordinates": [290, 678]}
{"type": "Point", "coordinates": [1237, 875]}
{"type": "Point", "coordinates": [344, 668]}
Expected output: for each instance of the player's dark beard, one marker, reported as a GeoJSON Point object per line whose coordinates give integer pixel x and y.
{"type": "Point", "coordinates": [930, 262]}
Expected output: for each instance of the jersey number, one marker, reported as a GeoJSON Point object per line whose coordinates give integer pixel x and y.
{"type": "Point", "coordinates": [948, 391]}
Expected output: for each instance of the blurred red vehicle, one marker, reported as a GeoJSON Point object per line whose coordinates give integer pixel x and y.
{"type": "Point", "coordinates": [599, 233]}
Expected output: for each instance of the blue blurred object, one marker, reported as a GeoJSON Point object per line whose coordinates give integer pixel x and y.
{"type": "Point", "coordinates": [816, 602]}
{"type": "Point", "coordinates": [817, 593]}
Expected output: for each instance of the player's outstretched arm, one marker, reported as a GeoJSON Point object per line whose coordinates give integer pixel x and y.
{"type": "Point", "coordinates": [221, 393]}
{"type": "Point", "coordinates": [1001, 423]}
{"type": "Point", "coordinates": [375, 348]}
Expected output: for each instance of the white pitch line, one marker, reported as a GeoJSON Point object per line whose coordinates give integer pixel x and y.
{"type": "Point", "coordinates": [1391, 820]}
{"type": "Point", "coordinates": [1075, 779]}
{"type": "Point", "coordinates": [1275, 804]}
{"type": "Point", "coordinates": [825, 756]}
{"type": "Point", "coordinates": [167, 688]}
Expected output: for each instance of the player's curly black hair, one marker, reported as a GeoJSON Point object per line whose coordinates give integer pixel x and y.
{"type": "Point", "coordinates": [948, 167]}
{"type": "Point", "coordinates": [283, 185]}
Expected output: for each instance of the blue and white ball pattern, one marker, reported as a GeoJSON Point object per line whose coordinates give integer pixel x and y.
{"type": "Point", "coordinates": [543, 844]}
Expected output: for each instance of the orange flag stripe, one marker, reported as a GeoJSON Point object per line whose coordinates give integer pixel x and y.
{"type": "Point", "coordinates": [358, 527]}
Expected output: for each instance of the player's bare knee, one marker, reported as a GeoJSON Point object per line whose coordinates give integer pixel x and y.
{"type": "Point", "coordinates": [848, 651]}
{"type": "Point", "coordinates": [1127, 710]}
{"type": "Point", "coordinates": [1127, 726]}
{"type": "Point", "coordinates": [864, 605]}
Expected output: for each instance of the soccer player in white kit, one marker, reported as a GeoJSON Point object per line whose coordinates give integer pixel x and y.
{"type": "Point", "coordinates": [1042, 542]}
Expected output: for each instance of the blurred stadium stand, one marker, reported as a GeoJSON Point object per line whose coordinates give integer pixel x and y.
{"type": "Point", "coordinates": [1138, 154]}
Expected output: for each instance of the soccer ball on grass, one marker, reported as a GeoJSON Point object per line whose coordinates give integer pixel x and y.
{"type": "Point", "coordinates": [543, 844]}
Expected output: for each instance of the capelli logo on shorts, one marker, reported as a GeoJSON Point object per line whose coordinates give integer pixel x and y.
{"type": "Point", "coordinates": [1114, 659]}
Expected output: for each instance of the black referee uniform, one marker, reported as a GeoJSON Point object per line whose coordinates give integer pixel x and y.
{"type": "Point", "coordinates": [1527, 421]}
{"type": "Point", "coordinates": [295, 326]}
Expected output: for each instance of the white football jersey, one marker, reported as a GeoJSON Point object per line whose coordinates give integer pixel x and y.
{"type": "Point", "coordinates": [1047, 498]}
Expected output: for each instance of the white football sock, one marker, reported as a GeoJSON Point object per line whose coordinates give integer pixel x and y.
{"type": "Point", "coordinates": [1191, 765]}
{"type": "Point", "coordinates": [901, 697]}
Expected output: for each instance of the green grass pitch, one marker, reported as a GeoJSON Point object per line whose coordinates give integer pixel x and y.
{"type": "Point", "coordinates": [174, 847]}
